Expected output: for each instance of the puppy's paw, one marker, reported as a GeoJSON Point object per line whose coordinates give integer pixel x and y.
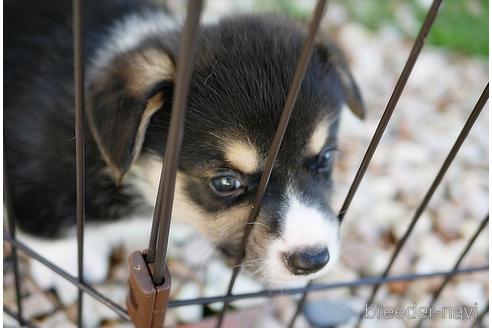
{"type": "Point", "coordinates": [63, 253]}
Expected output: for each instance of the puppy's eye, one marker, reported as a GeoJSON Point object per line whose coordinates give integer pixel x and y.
{"type": "Point", "coordinates": [226, 185]}
{"type": "Point", "coordinates": [325, 159]}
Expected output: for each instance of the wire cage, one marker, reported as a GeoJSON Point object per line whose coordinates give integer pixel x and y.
{"type": "Point", "coordinates": [156, 253]}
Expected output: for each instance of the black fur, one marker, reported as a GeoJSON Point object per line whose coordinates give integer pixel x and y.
{"type": "Point", "coordinates": [39, 115]}
{"type": "Point", "coordinates": [242, 72]}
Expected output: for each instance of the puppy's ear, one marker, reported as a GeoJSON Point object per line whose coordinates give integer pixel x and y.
{"type": "Point", "coordinates": [122, 97]}
{"type": "Point", "coordinates": [332, 55]}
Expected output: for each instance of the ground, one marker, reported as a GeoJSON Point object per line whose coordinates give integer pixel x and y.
{"type": "Point", "coordinates": [440, 94]}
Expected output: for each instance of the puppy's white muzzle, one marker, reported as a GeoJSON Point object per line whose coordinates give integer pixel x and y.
{"type": "Point", "coordinates": [308, 246]}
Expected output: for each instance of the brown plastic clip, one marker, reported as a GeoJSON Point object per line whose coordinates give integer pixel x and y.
{"type": "Point", "coordinates": [146, 302]}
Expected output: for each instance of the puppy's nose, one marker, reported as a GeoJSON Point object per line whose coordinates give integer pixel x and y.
{"type": "Point", "coordinates": [307, 260]}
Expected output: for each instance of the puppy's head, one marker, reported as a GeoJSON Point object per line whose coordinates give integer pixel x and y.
{"type": "Point", "coordinates": [241, 76]}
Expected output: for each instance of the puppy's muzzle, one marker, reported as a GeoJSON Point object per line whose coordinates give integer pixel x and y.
{"type": "Point", "coordinates": [307, 260]}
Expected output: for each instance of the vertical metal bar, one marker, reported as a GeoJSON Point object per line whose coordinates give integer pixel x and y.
{"type": "Point", "coordinates": [7, 193]}
{"type": "Point", "coordinates": [390, 107]}
{"type": "Point", "coordinates": [162, 215]}
{"type": "Point", "coordinates": [388, 112]}
{"type": "Point", "coordinates": [437, 180]}
{"type": "Point", "coordinates": [472, 240]}
{"type": "Point", "coordinates": [295, 86]}
{"type": "Point", "coordinates": [478, 320]}
{"type": "Point", "coordinates": [79, 141]}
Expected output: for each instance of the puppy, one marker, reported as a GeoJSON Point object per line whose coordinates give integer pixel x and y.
{"type": "Point", "coordinates": [242, 71]}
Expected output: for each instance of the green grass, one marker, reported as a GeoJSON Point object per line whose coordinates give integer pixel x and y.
{"type": "Point", "coordinates": [461, 25]}
{"type": "Point", "coordinates": [288, 7]}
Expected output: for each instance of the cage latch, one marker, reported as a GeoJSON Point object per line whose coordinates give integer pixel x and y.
{"type": "Point", "coordinates": [146, 302]}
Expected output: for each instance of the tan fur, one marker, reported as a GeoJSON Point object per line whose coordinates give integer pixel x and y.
{"type": "Point", "coordinates": [225, 228]}
{"type": "Point", "coordinates": [318, 138]}
{"type": "Point", "coordinates": [153, 104]}
{"type": "Point", "coordinates": [228, 225]}
{"type": "Point", "coordinates": [141, 71]}
{"type": "Point", "coordinates": [115, 171]}
{"type": "Point", "coordinates": [144, 176]}
{"type": "Point", "coordinates": [242, 156]}
{"type": "Point", "coordinates": [146, 68]}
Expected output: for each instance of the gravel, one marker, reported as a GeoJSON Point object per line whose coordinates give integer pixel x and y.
{"type": "Point", "coordinates": [440, 94]}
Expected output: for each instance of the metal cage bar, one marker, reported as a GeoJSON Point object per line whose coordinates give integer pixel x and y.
{"type": "Point", "coordinates": [390, 107]}
{"type": "Point", "coordinates": [16, 316]}
{"type": "Point", "coordinates": [388, 112]}
{"type": "Point", "coordinates": [368, 281]}
{"type": "Point", "coordinates": [162, 214]}
{"type": "Point", "coordinates": [295, 86]}
{"type": "Point", "coordinates": [71, 279]}
{"type": "Point", "coordinates": [78, 50]}
{"type": "Point", "coordinates": [263, 293]}
{"type": "Point", "coordinates": [430, 192]}
{"type": "Point", "coordinates": [465, 251]}
{"type": "Point", "coordinates": [11, 227]}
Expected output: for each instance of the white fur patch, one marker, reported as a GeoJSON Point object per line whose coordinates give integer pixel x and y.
{"type": "Point", "coordinates": [243, 156]}
{"type": "Point", "coordinates": [99, 241]}
{"type": "Point", "coordinates": [101, 238]}
{"type": "Point", "coordinates": [318, 138]}
{"type": "Point", "coordinates": [304, 226]}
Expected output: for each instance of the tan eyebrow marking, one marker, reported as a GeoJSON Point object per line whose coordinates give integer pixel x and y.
{"type": "Point", "coordinates": [318, 138]}
{"type": "Point", "coordinates": [243, 156]}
